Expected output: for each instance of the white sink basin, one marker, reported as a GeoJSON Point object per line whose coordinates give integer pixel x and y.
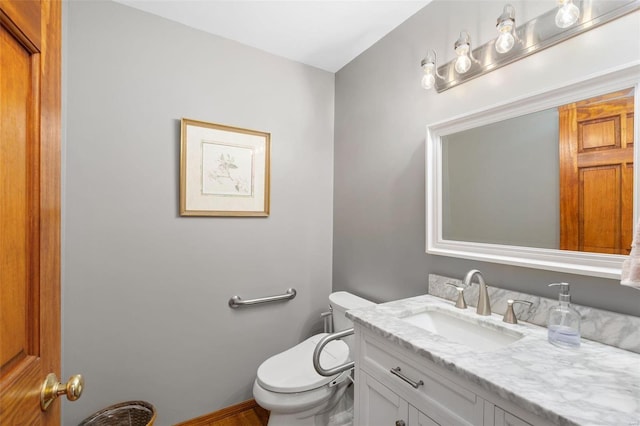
{"type": "Point", "coordinates": [475, 336]}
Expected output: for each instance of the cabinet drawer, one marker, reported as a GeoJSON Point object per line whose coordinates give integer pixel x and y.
{"type": "Point", "coordinates": [433, 396]}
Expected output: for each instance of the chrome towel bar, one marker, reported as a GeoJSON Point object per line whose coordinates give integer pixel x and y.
{"type": "Point", "coordinates": [237, 302]}
{"type": "Point", "coordinates": [320, 346]}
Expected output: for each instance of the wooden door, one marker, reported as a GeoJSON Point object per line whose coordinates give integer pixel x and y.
{"type": "Point", "coordinates": [29, 208]}
{"type": "Point", "coordinates": [596, 174]}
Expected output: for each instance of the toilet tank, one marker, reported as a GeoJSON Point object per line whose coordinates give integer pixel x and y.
{"type": "Point", "coordinates": [341, 302]}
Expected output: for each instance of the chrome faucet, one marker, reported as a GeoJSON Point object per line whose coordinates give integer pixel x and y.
{"type": "Point", "coordinates": [484, 305]}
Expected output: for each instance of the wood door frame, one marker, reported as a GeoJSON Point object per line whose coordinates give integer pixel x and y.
{"type": "Point", "coordinates": [50, 189]}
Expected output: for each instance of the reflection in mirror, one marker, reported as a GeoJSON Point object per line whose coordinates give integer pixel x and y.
{"type": "Point", "coordinates": [500, 182]}
{"type": "Point", "coordinates": [560, 178]}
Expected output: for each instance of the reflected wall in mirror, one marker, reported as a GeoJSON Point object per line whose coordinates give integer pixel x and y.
{"type": "Point", "coordinates": [545, 181]}
{"type": "Point", "coordinates": [561, 178]}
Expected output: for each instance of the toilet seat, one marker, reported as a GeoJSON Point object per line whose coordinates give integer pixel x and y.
{"type": "Point", "coordinates": [292, 371]}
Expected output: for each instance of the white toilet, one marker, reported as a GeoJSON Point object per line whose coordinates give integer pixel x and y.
{"type": "Point", "coordinates": [289, 386]}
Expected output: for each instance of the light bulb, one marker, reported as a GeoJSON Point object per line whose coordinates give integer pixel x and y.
{"type": "Point", "coordinates": [463, 63]}
{"type": "Point", "coordinates": [428, 80]}
{"type": "Point", "coordinates": [505, 42]}
{"type": "Point", "coordinates": [568, 14]}
{"type": "Point", "coordinates": [505, 25]}
{"type": "Point", "coordinates": [429, 68]}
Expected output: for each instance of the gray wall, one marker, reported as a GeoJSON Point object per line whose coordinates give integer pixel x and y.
{"type": "Point", "coordinates": [501, 182]}
{"type": "Point", "coordinates": [145, 291]}
{"type": "Point", "coordinates": [381, 118]}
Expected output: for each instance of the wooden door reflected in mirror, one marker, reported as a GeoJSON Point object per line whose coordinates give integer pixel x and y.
{"type": "Point", "coordinates": [596, 174]}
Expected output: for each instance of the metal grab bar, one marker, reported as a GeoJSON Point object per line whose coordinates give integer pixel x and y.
{"type": "Point", "coordinates": [327, 320]}
{"type": "Point", "coordinates": [237, 302]}
{"type": "Point", "coordinates": [320, 346]}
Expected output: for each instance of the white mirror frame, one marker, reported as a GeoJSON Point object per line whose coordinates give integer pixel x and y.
{"type": "Point", "coordinates": [582, 263]}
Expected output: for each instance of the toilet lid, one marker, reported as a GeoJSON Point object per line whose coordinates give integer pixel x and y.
{"type": "Point", "coordinates": [292, 370]}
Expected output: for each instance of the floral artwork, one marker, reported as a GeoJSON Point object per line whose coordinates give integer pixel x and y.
{"type": "Point", "coordinates": [224, 170]}
{"type": "Point", "coordinates": [227, 170]}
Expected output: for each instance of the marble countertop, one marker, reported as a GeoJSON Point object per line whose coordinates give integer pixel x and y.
{"type": "Point", "coordinates": [593, 385]}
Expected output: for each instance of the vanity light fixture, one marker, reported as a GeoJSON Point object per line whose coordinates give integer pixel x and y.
{"type": "Point", "coordinates": [568, 13]}
{"type": "Point", "coordinates": [429, 67]}
{"type": "Point", "coordinates": [506, 26]}
{"type": "Point", "coordinates": [462, 47]}
{"type": "Point", "coordinates": [513, 43]}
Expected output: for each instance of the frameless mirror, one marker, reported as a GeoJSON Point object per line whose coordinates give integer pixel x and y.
{"type": "Point", "coordinates": [543, 182]}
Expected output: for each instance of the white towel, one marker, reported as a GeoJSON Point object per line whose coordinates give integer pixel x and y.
{"type": "Point", "coordinates": [631, 266]}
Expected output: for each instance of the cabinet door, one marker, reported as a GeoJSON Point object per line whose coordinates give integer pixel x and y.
{"type": "Point", "coordinates": [504, 418]}
{"type": "Point", "coordinates": [379, 405]}
{"type": "Point", "coordinates": [418, 418]}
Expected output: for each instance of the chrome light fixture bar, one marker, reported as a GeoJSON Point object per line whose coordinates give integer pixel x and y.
{"type": "Point", "coordinates": [531, 37]}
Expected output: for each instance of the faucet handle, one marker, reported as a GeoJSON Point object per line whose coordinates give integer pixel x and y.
{"type": "Point", "coordinates": [509, 314]}
{"type": "Point", "coordinates": [460, 302]}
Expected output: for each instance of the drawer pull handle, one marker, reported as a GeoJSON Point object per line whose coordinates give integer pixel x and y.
{"type": "Point", "coordinates": [396, 372]}
{"type": "Point", "coordinates": [400, 423]}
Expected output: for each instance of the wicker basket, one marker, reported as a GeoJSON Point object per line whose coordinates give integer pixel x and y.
{"type": "Point", "coordinates": [131, 413]}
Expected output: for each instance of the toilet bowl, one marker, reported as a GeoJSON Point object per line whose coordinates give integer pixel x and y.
{"type": "Point", "coordinates": [289, 387]}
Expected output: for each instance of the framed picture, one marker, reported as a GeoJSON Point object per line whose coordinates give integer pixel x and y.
{"type": "Point", "coordinates": [224, 171]}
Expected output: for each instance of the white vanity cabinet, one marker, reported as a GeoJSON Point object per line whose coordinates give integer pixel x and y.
{"type": "Point", "coordinates": [421, 393]}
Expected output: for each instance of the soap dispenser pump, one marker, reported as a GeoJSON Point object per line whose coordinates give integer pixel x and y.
{"type": "Point", "coordinates": [564, 320]}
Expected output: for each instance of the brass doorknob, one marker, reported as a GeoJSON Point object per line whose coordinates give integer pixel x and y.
{"type": "Point", "coordinates": [51, 389]}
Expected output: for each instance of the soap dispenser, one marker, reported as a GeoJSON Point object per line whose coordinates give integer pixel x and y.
{"type": "Point", "coordinates": [564, 321]}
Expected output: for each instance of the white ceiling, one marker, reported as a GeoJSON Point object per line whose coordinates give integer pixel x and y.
{"type": "Point", "coordinates": [321, 33]}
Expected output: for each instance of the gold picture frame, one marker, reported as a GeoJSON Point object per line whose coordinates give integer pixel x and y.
{"type": "Point", "coordinates": [224, 170]}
